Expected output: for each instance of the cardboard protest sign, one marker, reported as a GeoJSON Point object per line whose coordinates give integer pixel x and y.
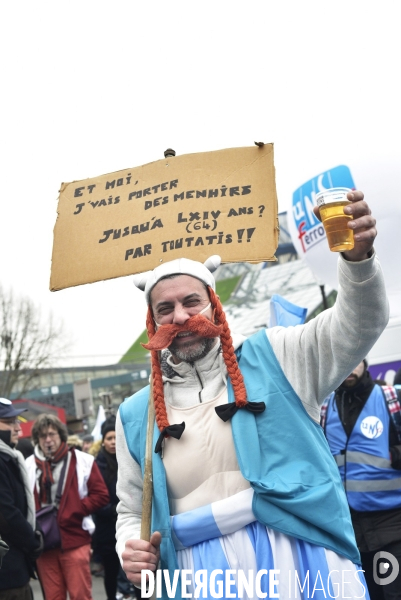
{"type": "Point", "coordinates": [194, 205]}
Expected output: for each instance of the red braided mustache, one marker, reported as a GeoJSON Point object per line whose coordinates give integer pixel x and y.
{"type": "Point", "coordinates": [197, 324]}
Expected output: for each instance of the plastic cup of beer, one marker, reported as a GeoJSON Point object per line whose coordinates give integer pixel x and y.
{"type": "Point", "coordinates": [331, 203]}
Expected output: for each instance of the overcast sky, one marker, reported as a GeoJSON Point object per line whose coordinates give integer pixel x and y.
{"type": "Point", "coordinates": [90, 87]}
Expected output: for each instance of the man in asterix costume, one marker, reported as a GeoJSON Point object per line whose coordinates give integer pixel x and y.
{"type": "Point", "coordinates": [243, 477]}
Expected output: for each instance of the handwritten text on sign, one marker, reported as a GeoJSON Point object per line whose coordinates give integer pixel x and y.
{"type": "Point", "coordinates": [193, 205]}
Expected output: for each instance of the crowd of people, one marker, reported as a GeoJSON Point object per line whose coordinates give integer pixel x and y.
{"type": "Point", "coordinates": [57, 470]}
{"type": "Point", "coordinates": [243, 476]}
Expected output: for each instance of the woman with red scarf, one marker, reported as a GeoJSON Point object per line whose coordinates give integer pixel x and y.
{"type": "Point", "coordinates": [65, 569]}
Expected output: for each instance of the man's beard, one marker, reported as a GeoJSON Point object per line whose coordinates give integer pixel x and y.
{"type": "Point", "coordinates": [351, 381]}
{"type": "Point", "coordinates": [191, 354]}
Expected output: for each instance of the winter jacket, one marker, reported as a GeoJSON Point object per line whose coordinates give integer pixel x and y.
{"type": "Point", "coordinates": [15, 530]}
{"type": "Point", "coordinates": [105, 519]}
{"type": "Point", "coordinates": [84, 493]}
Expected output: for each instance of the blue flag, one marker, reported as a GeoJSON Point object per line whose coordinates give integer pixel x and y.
{"type": "Point", "coordinates": [285, 313]}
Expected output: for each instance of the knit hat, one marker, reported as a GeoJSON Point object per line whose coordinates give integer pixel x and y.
{"type": "Point", "coordinates": [180, 266]}
{"type": "Point", "coordinates": [108, 425]}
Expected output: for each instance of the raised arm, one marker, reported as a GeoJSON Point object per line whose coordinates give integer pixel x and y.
{"type": "Point", "coordinates": [317, 357]}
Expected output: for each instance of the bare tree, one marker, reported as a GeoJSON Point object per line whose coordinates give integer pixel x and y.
{"type": "Point", "coordinates": [28, 342]}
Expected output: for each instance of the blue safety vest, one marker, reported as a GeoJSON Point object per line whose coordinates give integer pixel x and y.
{"type": "Point", "coordinates": [282, 452]}
{"type": "Point", "coordinates": [364, 458]}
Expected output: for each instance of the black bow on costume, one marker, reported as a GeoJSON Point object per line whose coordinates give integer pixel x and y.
{"type": "Point", "coordinates": [227, 411]}
{"type": "Point", "coordinates": [174, 431]}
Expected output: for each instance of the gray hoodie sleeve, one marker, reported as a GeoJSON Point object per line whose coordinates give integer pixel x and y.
{"type": "Point", "coordinates": [318, 356]}
{"type": "Point", "coordinates": [129, 492]}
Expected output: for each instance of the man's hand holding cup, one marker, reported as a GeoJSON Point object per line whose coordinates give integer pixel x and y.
{"type": "Point", "coordinates": [359, 221]}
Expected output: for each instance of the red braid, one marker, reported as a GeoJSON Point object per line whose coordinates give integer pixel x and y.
{"type": "Point", "coordinates": [157, 378]}
{"type": "Point", "coordinates": [237, 381]}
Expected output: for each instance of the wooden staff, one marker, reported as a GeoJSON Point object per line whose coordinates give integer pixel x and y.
{"type": "Point", "coordinates": [148, 476]}
{"type": "Point", "coordinates": [147, 492]}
